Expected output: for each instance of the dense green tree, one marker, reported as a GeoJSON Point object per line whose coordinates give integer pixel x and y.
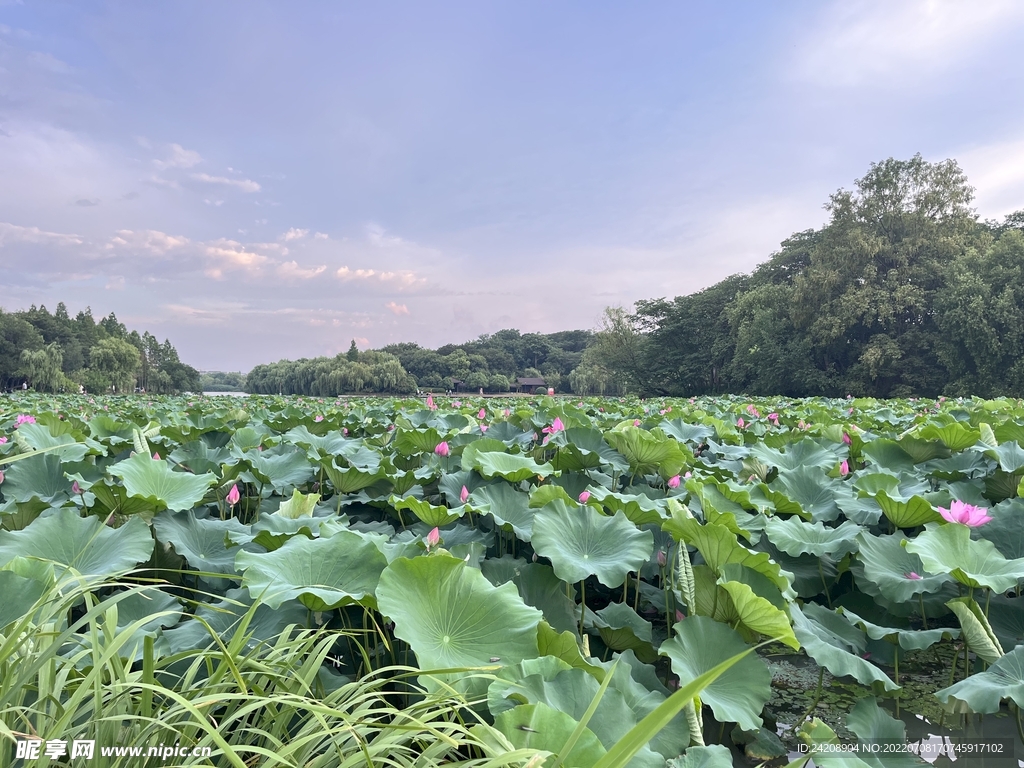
{"type": "Point", "coordinates": [43, 367]}
{"type": "Point", "coordinates": [116, 360]}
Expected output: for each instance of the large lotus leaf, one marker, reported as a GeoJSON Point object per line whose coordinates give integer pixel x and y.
{"type": "Point", "coordinates": [758, 615]}
{"type": "Point", "coordinates": [37, 477]}
{"type": "Point", "coordinates": [888, 455]}
{"type": "Point", "coordinates": [352, 479]}
{"type": "Point", "coordinates": [623, 629]}
{"type": "Point", "coordinates": [685, 432]}
{"type": "Point", "coordinates": [759, 584]}
{"type": "Point", "coordinates": [812, 490]}
{"type": "Point", "coordinates": [321, 573]}
{"type": "Point", "coordinates": [888, 564]}
{"type": "Point", "coordinates": [875, 727]}
{"type": "Point", "coordinates": [1006, 529]}
{"type": "Point", "coordinates": [199, 457]}
{"type": "Point", "coordinates": [156, 482]}
{"type": "Point", "coordinates": [433, 516]}
{"type": "Point", "coordinates": [803, 453]}
{"type": "Point", "coordinates": [298, 506]}
{"type": "Point", "coordinates": [38, 437]}
{"type": "Point", "coordinates": [638, 508]}
{"type": "Point", "coordinates": [739, 694]}
{"type": "Point", "coordinates": [538, 726]}
{"type": "Point", "coordinates": [216, 622]}
{"type": "Point", "coordinates": [948, 548]}
{"type": "Point", "coordinates": [545, 494]}
{"type": "Point", "coordinates": [836, 645]}
{"type": "Point", "coordinates": [582, 542]}
{"type": "Point", "coordinates": [512, 467]}
{"type": "Point", "coordinates": [713, 756]}
{"type": "Point", "coordinates": [908, 639]}
{"type": "Point", "coordinates": [983, 692]}
{"type": "Point", "coordinates": [452, 483]}
{"type": "Point", "coordinates": [720, 547]}
{"type": "Point", "coordinates": [452, 616]}
{"type": "Point", "coordinates": [863, 511]}
{"type": "Point", "coordinates": [978, 634]}
{"type": "Point", "coordinates": [203, 542]}
{"type": "Point", "coordinates": [825, 748]}
{"type": "Point", "coordinates": [1006, 617]}
{"type": "Point", "coordinates": [710, 599]}
{"type": "Point", "coordinates": [507, 690]}
{"type": "Point", "coordinates": [281, 468]}
{"type": "Point", "coordinates": [796, 537]}
{"type": "Point", "coordinates": [19, 595]}
{"type": "Point", "coordinates": [409, 442]}
{"type": "Point", "coordinates": [954, 436]}
{"type": "Point", "coordinates": [581, 449]}
{"type": "Point", "coordinates": [907, 513]}
{"type": "Point", "coordinates": [538, 586]}
{"type": "Point", "coordinates": [82, 543]}
{"type": "Point", "coordinates": [565, 646]}
{"type": "Point", "coordinates": [1010, 456]}
{"type": "Point", "coordinates": [922, 450]}
{"type": "Point", "coordinates": [507, 506]}
{"type": "Point", "coordinates": [648, 452]}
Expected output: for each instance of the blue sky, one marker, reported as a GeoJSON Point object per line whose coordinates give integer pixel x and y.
{"type": "Point", "coordinates": [261, 180]}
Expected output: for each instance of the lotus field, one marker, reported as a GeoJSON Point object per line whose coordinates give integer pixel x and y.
{"type": "Point", "coordinates": [521, 581]}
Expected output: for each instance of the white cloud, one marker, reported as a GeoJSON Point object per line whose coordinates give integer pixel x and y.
{"type": "Point", "coordinates": [115, 283]}
{"type": "Point", "coordinates": [879, 42]}
{"type": "Point", "coordinates": [379, 237]}
{"type": "Point", "coordinates": [246, 185]}
{"type": "Point", "coordinates": [294, 234]}
{"type": "Point", "coordinates": [179, 157]}
{"type": "Point", "coordinates": [18, 234]}
{"type": "Point", "coordinates": [147, 239]}
{"type": "Point", "coordinates": [403, 277]}
{"type": "Point", "coordinates": [230, 254]}
{"type": "Point", "coordinates": [292, 270]}
{"type": "Point", "coordinates": [398, 309]}
{"type": "Point", "coordinates": [320, 236]}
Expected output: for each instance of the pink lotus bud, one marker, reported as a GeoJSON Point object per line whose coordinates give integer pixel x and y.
{"type": "Point", "coordinates": [318, 418]}
{"type": "Point", "coordinates": [442, 449]}
{"type": "Point", "coordinates": [584, 497]}
{"type": "Point", "coordinates": [481, 414]}
{"type": "Point", "coordinates": [3, 440]}
{"type": "Point", "coordinates": [430, 403]}
{"type": "Point", "coordinates": [774, 418]}
{"type": "Point", "coordinates": [506, 412]}
{"type": "Point", "coordinates": [464, 495]}
{"type": "Point", "coordinates": [483, 427]}
{"type": "Point", "coordinates": [233, 496]}
{"type": "Point", "coordinates": [679, 615]}
{"type": "Point", "coordinates": [636, 422]}
{"type": "Point", "coordinates": [1, 476]}
{"type": "Point", "coordinates": [433, 538]}
{"type": "Point", "coordinates": [344, 431]}
{"type": "Point", "coordinates": [844, 468]}
{"type": "Point", "coordinates": [912, 576]}
{"type": "Point", "coordinates": [846, 438]}
{"type": "Point", "coordinates": [156, 456]}
{"type": "Point", "coordinates": [673, 482]}
{"type": "Point", "coordinates": [457, 404]}
{"type": "Point", "coordinates": [662, 560]}
{"type": "Point", "coordinates": [688, 475]}
{"type": "Point", "coordinates": [75, 488]}
{"type": "Point", "coordinates": [741, 423]}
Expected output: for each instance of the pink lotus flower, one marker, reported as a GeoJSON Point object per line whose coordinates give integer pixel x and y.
{"type": "Point", "coordinates": [483, 427]}
{"type": "Point", "coordinates": [741, 423]}
{"type": "Point", "coordinates": [433, 538]}
{"type": "Point", "coordinates": [556, 426]}
{"type": "Point", "coordinates": [481, 414]}
{"type": "Point", "coordinates": [753, 411]}
{"type": "Point", "coordinates": [673, 482]}
{"type": "Point", "coordinates": [912, 576]}
{"type": "Point", "coordinates": [965, 514]}
{"type": "Point", "coordinates": [457, 404]}
{"type": "Point", "coordinates": [233, 496]}
{"type": "Point", "coordinates": [24, 418]}
{"type": "Point", "coordinates": [344, 431]}
{"type": "Point", "coordinates": [774, 418]}
{"type": "Point", "coordinates": [3, 440]}
{"type": "Point", "coordinates": [688, 475]}
{"type": "Point", "coordinates": [846, 438]}
{"type": "Point", "coordinates": [75, 488]}
{"type": "Point", "coordinates": [505, 412]}
{"type": "Point", "coordinates": [662, 560]}
{"type": "Point", "coordinates": [464, 494]}
{"type": "Point", "coordinates": [584, 497]}
{"type": "Point", "coordinates": [318, 418]}
{"type": "Point", "coordinates": [844, 468]}
{"type": "Point", "coordinates": [636, 422]}
{"type": "Point", "coordinates": [430, 403]}
{"type": "Point", "coordinates": [442, 449]}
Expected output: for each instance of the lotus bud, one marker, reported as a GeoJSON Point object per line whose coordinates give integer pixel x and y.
{"type": "Point", "coordinates": [844, 468]}
{"type": "Point", "coordinates": [1, 476]}
{"type": "Point", "coordinates": [156, 456]}
{"type": "Point", "coordinates": [433, 538]}
{"type": "Point", "coordinates": [673, 482]}
{"type": "Point", "coordinates": [584, 497]}
{"type": "Point", "coordinates": [464, 495]}
{"type": "Point", "coordinates": [3, 440]}
{"type": "Point", "coordinates": [233, 496]}
{"type": "Point", "coordinates": [481, 414]}
{"type": "Point", "coordinates": [679, 615]}
{"type": "Point", "coordinates": [661, 558]}
{"type": "Point", "coordinates": [75, 488]}
{"type": "Point", "coordinates": [483, 427]}
{"type": "Point", "coordinates": [846, 438]}
{"type": "Point", "coordinates": [688, 475]}
{"type": "Point", "coordinates": [442, 449]}
{"type": "Point", "coordinates": [636, 422]}
{"type": "Point", "coordinates": [318, 418]}
{"type": "Point", "coordinates": [741, 423]}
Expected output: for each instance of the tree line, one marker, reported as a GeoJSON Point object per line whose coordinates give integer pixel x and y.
{"type": "Point", "coordinates": [904, 291]}
{"type": "Point", "coordinates": [59, 353]}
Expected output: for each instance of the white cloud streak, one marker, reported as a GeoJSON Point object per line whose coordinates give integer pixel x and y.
{"type": "Point", "coordinates": [246, 185]}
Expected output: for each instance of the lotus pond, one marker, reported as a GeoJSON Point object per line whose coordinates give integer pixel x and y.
{"type": "Point", "coordinates": [555, 567]}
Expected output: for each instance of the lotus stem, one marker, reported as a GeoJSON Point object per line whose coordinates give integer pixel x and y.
{"type": "Point", "coordinates": [668, 612]}
{"type": "Point", "coordinates": [583, 604]}
{"type": "Point", "coordinates": [896, 676]}
{"type": "Point", "coordinates": [821, 573]}
{"type": "Point", "coordinates": [988, 597]}
{"type": "Point", "coordinates": [924, 616]}
{"type": "Point", "coordinates": [952, 675]}
{"type": "Point", "coordinates": [817, 696]}
{"type": "Point", "coordinates": [636, 597]}
{"type": "Point", "coordinates": [625, 589]}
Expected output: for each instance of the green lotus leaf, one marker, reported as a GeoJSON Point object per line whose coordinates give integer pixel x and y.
{"type": "Point", "coordinates": [873, 482]}
{"type": "Point", "coordinates": [282, 468]}
{"type": "Point", "coordinates": [512, 467]}
{"type": "Point", "coordinates": [581, 542]}
{"type": "Point", "coordinates": [907, 513]}
{"type": "Point", "coordinates": [720, 547]}
{"type": "Point", "coordinates": [320, 573]}
{"type": "Point", "coordinates": [37, 478]}
{"type": "Point", "coordinates": [712, 756]}
{"type": "Point", "coordinates": [199, 457]}
{"type": "Point", "coordinates": [38, 437]}
{"type": "Point", "coordinates": [982, 692]}
{"type": "Point", "coordinates": [648, 452]}
{"type": "Point", "coordinates": [298, 506]}
{"type": "Point", "coordinates": [1006, 529]}
{"type": "Point", "coordinates": [758, 615]}
{"type": "Point", "coordinates": [739, 694]}
{"type": "Point", "coordinates": [887, 563]}
{"type": "Point", "coordinates": [836, 645]}
{"type": "Point", "coordinates": [203, 542]}
{"type": "Point", "coordinates": [580, 449]}
{"type": "Point", "coordinates": [84, 544]}
{"type": "Point", "coordinates": [352, 479]}
{"type": "Point", "coordinates": [908, 639]}
{"type": "Point", "coordinates": [1010, 456]}
{"type": "Point", "coordinates": [538, 726]}
{"type": "Point", "coordinates": [825, 746]}
{"type": "Point", "coordinates": [803, 453]}
{"type": "Point", "coordinates": [796, 537]}
{"type": "Point", "coordinates": [809, 487]}
{"type": "Point", "coordinates": [155, 481]}
{"type": "Point", "coordinates": [1006, 617]}
{"type": "Point", "coordinates": [435, 517]}
{"type": "Point", "coordinates": [318, 447]}
{"type": "Point", "coordinates": [978, 633]}
{"type": "Point", "coordinates": [20, 594]}
{"type": "Point", "coordinates": [921, 450]}
{"type": "Point", "coordinates": [409, 442]}
{"type": "Point", "coordinates": [874, 726]}
{"type": "Point", "coordinates": [623, 629]}
{"type": "Point", "coordinates": [888, 455]}
{"type": "Point", "coordinates": [948, 548]}
{"type": "Point", "coordinates": [685, 432]}
{"type": "Point", "coordinates": [452, 616]}
{"type": "Point", "coordinates": [954, 436]}
{"type": "Point", "coordinates": [565, 646]}
{"type": "Point", "coordinates": [538, 586]}
{"type": "Point", "coordinates": [638, 508]}
{"type": "Point", "coordinates": [759, 584]}
{"type": "Point", "coordinates": [509, 508]}
{"type": "Point", "coordinates": [544, 494]}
